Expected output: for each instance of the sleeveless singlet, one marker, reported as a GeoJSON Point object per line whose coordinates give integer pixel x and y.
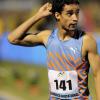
{"type": "Point", "coordinates": [67, 70]}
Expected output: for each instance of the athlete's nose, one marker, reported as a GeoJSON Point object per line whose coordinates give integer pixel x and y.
{"type": "Point", "coordinates": [75, 18]}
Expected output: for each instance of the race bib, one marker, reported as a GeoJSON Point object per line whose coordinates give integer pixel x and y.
{"type": "Point", "coordinates": [63, 84]}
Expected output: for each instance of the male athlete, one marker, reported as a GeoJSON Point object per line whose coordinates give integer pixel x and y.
{"type": "Point", "coordinates": [70, 51]}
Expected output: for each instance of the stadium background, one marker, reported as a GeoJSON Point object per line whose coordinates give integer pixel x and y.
{"type": "Point", "coordinates": [23, 73]}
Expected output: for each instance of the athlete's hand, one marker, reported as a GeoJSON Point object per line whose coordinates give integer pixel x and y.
{"type": "Point", "coordinates": [45, 10]}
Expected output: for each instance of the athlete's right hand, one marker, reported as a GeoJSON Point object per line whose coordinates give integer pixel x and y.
{"type": "Point", "coordinates": [45, 10]}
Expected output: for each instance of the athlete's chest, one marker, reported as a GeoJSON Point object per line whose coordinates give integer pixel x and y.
{"type": "Point", "coordinates": [71, 49]}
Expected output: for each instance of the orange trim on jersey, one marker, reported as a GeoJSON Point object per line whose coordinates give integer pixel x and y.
{"type": "Point", "coordinates": [68, 61]}
{"type": "Point", "coordinates": [57, 62]}
{"type": "Point", "coordinates": [77, 60]}
{"type": "Point", "coordinates": [72, 58]}
{"type": "Point", "coordinates": [82, 91]}
{"type": "Point", "coordinates": [83, 87]}
{"type": "Point", "coordinates": [86, 97]}
{"type": "Point", "coordinates": [83, 79]}
{"type": "Point", "coordinates": [51, 63]}
{"type": "Point", "coordinates": [62, 61]}
{"type": "Point", "coordinates": [79, 65]}
{"type": "Point", "coordinates": [80, 75]}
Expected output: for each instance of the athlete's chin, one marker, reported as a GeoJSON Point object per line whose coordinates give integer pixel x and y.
{"type": "Point", "coordinates": [69, 28]}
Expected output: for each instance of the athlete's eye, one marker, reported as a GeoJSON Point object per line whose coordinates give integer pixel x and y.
{"type": "Point", "coordinates": [69, 13]}
{"type": "Point", "coordinates": [77, 12]}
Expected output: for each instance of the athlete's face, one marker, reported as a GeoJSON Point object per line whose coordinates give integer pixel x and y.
{"type": "Point", "coordinates": [69, 17]}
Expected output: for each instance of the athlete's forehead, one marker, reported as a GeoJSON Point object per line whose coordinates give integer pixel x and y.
{"type": "Point", "coordinates": [71, 7]}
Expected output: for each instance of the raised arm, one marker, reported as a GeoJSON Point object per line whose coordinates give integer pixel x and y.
{"type": "Point", "coordinates": [94, 60]}
{"type": "Point", "coordinates": [20, 37]}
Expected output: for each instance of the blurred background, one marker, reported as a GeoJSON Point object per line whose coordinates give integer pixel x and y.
{"type": "Point", "coordinates": [23, 72]}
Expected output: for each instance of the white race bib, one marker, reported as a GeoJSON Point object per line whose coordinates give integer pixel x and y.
{"type": "Point", "coordinates": [63, 84]}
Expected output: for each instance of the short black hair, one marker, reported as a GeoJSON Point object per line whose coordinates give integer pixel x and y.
{"type": "Point", "coordinates": [57, 5]}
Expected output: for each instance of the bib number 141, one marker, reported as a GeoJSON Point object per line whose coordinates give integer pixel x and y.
{"type": "Point", "coordinates": [62, 84]}
{"type": "Point", "coordinates": [65, 82]}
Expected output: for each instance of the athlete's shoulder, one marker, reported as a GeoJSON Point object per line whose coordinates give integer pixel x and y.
{"type": "Point", "coordinates": [89, 37]}
{"type": "Point", "coordinates": [45, 35]}
{"type": "Point", "coordinates": [89, 41]}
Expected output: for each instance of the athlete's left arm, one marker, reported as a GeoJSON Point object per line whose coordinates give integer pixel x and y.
{"type": "Point", "coordinates": [94, 60]}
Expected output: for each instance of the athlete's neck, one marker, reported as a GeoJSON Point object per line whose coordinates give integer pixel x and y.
{"type": "Point", "coordinates": [65, 34]}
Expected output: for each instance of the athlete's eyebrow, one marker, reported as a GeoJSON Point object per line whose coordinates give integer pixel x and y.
{"type": "Point", "coordinates": [68, 11]}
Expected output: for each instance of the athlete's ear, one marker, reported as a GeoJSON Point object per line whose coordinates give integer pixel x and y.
{"type": "Point", "coordinates": [57, 15]}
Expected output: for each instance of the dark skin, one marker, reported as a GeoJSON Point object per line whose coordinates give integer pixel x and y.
{"type": "Point", "coordinates": [66, 23]}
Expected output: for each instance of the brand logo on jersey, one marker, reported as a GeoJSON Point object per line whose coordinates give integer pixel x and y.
{"type": "Point", "coordinates": [73, 49]}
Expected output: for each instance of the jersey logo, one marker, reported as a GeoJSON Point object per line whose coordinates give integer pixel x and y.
{"type": "Point", "coordinates": [73, 49]}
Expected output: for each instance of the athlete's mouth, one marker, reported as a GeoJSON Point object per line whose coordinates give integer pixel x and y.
{"type": "Point", "coordinates": [73, 25]}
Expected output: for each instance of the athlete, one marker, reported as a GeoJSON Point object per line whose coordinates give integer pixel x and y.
{"type": "Point", "coordinates": [70, 52]}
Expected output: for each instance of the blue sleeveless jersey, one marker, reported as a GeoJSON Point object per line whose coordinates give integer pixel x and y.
{"type": "Point", "coordinates": [67, 70]}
